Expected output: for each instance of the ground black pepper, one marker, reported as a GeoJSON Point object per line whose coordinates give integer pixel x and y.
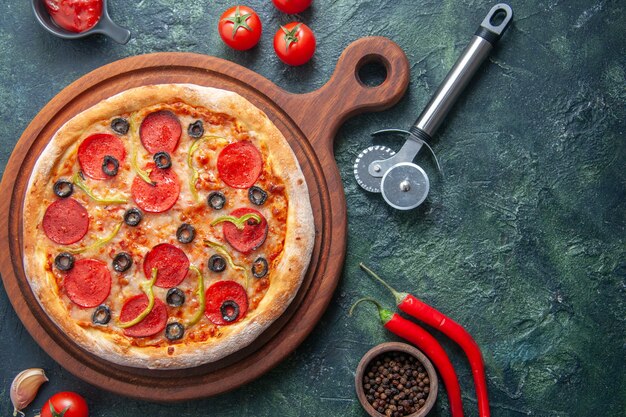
{"type": "Point", "coordinates": [396, 384]}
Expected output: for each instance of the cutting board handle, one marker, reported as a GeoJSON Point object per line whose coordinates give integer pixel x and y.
{"type": "Point", "coordinates": [320, 113]}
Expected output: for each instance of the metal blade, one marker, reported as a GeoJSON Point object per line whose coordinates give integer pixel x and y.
{"type": "Point", "coordinates": [362, 163]}
{"type": "Point", "coordinates": [405, 186]}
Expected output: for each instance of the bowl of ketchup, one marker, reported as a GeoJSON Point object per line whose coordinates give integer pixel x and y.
{"type": "Point", "coordinates": [73, 19]}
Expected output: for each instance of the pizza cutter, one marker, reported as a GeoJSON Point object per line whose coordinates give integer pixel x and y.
{"type": "Point", "coordinates": [404, 184]}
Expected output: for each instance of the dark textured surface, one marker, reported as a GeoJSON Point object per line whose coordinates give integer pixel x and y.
{"type": "Point", "coordinates": [523, 242]}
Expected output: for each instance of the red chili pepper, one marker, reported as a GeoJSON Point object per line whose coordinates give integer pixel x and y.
{"type": "Point", "coordinates": [429, 315]}
{"type": "Point", "coordinates": [429, 345]}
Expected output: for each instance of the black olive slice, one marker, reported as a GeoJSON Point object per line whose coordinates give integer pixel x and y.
{"type": "Point", "coordinates": [162, 160]}
{"type": "Point", "coordinates": [120, 125]}
{"type": "Point", "coordinates": [122, 262]}
{"type": "Point", "coordinates": [216, 200]}
{"type": "Point", "coordinates": [259, 267]}
{"type": "Point", "coordinates": [217, 263]}
{"type": "Point", "coordinates": [185, 233]}
{"type": "Point", "coordinates": [174, 331]}
{"type": "Point", "coordinates": [229, 310]}
{"type": "Point", "coordinates": [63, 188]}
{"type": "Point", "coordinates": [196, 129]}
{"type": "Point", "coordinates": [64, 261]}
{"type": "Point", "coordinates": [133, 216]}
{"type": "Point", "coordinates": [101, 315]}
{"type": "Point", "coordinates": [110, 165]}
{"type": "Point", "coordinates": [257, 195]}
{"type": "Point", "coordinates": [175, 297]}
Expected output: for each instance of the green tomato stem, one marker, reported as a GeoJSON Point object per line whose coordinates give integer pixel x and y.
{"type": "Point", "coordinates": [239, 21]}
{"type": "Point", "coordinates": [290, 36]}
{"type": "Point", "coordinates": [55, 413]}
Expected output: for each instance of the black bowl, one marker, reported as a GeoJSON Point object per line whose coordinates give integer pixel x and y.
{"type": "Point", "coordinates": [105, 25]}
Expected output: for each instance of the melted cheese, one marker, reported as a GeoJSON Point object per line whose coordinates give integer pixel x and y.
{"type": "Point", "coordinates": [161, 228]}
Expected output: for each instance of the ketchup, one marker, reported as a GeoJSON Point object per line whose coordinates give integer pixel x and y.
{"type": "Point", "coordinates": [75, 15]}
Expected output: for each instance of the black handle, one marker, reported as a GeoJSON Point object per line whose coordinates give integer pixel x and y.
{"type": "Point", "coordinates": [495, 23]}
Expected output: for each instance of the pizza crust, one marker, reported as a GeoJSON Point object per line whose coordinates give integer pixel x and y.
{"type": "Point", "coordinates": [290, 271]}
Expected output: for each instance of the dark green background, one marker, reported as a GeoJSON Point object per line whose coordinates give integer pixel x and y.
{"type": "Point", "coordinates": [523, 242]}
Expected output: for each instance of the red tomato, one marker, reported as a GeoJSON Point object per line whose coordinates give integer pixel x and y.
{"type": "Point", "coordinates": [292, 6]}
{"type": "Point", "coordinates": [67, 404]}
{"type": "Point", "coordinates": [240, 28]}
{"type": "Point", "coordinates": [294, 43]}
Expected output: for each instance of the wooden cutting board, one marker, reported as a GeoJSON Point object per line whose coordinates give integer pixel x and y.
{"type": "Point", "coordinates": [308, 121]}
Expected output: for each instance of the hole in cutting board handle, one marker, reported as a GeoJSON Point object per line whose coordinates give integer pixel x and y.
{"type": "Point", "coordinates": [372, 71]}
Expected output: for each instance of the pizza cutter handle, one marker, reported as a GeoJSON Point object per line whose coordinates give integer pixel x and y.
{"type": "Point", "coordinates": [488, 33]}
{"type": "Point", "coordinates": [321, 112]}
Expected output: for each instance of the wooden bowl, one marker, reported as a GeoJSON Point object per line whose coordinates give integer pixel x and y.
{"type": "Point", "coordinates": [396, 347]}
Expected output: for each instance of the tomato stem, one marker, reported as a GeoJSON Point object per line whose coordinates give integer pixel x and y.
{"type": "Point", "coordinates": [290, 35]}
{"type": "Point", "coordinates": [55, 413]}
{"type": "Point", "coordinates": [239, 21]}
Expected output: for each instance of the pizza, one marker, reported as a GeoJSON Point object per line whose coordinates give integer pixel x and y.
{"type": "Point", "coordinates": [167, 226]}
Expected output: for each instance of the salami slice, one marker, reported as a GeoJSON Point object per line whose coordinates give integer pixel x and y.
{"type": "Point", "coordinates": [226, 303]}
{"type": "Point", "coordinates": [171, 262]}
{"type": "Point", "coordinates": [153, 323]}
{"type": "Point", "coordinates": [156, 198]}
{"type": "Point", "coordinates": [93, 150]}
{"type": "Point", "coordinates": [66, 221]}
{"type": "Point", "coordinates": [240, 164]}
{"type": "Point", "coordinates": [88, 284]}
{"type": "Point", "coordinates": [160, 131]}
{"type": "Point", "coordinates": [251, 237]}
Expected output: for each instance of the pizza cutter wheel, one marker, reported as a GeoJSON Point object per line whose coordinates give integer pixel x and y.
{"type": "Point", "coordinates": [364, 162]}
{"type": "Point", "coordinates": [403, 184]}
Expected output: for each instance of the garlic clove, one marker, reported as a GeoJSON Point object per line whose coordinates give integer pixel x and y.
{"type": "Point", "coordinates": [24, 388]}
